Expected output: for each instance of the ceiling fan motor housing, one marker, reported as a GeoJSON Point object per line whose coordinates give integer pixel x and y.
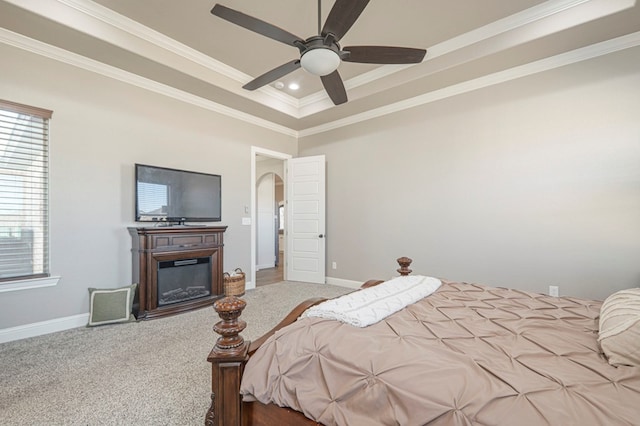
{"type": "Point", "coordinates": [319, 55]}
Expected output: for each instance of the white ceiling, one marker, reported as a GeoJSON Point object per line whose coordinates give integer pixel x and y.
{"type": "Point", "coordinates": [180, 49]}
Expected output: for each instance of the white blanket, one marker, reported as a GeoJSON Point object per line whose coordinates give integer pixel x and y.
{"type": "Point", "coordinates": [370, 305]}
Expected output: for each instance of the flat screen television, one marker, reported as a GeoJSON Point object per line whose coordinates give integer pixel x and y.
{"type": "Point", "coordinates": [177, 196]}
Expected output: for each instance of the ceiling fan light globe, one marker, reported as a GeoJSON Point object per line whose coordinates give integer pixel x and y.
{"type": "Point", "coordinates": [320, 61]}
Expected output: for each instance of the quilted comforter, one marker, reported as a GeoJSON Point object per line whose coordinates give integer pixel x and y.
{"type": "Point", "coordinates": [467, 354]}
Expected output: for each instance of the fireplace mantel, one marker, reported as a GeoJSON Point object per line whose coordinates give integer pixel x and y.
{"type": "Point", "coordinates": [153, 245]}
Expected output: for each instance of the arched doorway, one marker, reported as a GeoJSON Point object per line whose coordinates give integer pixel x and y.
{"type": "Point", "coordinates": [269, 222]}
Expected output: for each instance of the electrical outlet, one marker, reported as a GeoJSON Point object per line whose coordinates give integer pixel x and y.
{"type": "Point", "coordinates": [334, 265]}
{"type": "Point", "coordinates": [554, 290]}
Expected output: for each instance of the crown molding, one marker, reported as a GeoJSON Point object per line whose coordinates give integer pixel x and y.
{"type": "Point", "coordinates": [316, 102]}
{"type": "Point", "coordinates": [487, 32]}
{"type": "Point", "coordinates": [105, 24]}
{"type": "Point", "coordinates": [568, 58]}
{"type": "Point", "coordinates": [578, 55]}
{"type": "Point", "coordinates": [64, 56]}
{"type": "Point", "coordinates": [143, 32]}
{"type": "Point", "coordinates": [499, 27]}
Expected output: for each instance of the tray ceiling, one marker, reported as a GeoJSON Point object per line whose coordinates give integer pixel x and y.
{"type": "Point", "coordinates": [182, 50]}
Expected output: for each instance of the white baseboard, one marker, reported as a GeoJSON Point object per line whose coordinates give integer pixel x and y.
{"type": "Point", "coordinates": [249, 285]}
{"type": "Point", "coordinates": [343, 283]}
{"type": "Point", "coordinates": [44, 327]}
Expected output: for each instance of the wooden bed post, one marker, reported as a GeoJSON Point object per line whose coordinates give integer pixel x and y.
{"type": "Point", "coordinates": [227, 359]}
{"type": "Point", "coordinates": [404, 263]}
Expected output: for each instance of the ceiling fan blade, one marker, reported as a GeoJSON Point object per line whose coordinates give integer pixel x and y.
{"type": "Point", "coordinates": [342, 16]}
{"type": "Point", "coordinates": [255, 25]}
{"type": "Point", "coordinates": [384, 55]}
{"type": "Point", "coordinates": [335, 87]}
{"type": "Point", "coordinates": [273, 75]}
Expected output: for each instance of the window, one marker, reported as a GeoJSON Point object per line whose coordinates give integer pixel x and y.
{"type": "Point", "coordinates": [24, 190]}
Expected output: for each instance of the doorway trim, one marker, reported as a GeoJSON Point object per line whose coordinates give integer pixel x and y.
{"type": "Point", "coordinates": [265, 153]}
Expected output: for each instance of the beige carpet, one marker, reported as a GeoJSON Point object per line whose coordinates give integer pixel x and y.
{"type": "Point", "coordinates": [149, 373]}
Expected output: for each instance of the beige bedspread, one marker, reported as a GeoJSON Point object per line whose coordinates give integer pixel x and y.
{"type": "Point", "coordinates": [467, 354]}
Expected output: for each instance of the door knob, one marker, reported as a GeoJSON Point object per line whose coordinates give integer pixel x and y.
{"type": "Point", "coordinates": [321, 236]}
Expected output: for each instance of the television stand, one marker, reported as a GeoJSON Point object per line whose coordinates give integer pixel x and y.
{"type": "Point", "coordinates": [177, 268]}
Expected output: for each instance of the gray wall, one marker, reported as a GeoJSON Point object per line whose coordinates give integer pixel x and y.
{"type": "Point", "coordinates": [526, 184]}
{"type": "Point", "coordinates": [529, 183]}
{"type": "Point", "coordinates": [100, 128]}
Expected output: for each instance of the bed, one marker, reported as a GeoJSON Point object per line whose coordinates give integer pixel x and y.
{"type": "Point", "coordinates": [465, 354]}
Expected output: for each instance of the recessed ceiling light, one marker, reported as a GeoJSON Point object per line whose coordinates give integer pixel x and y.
{"type": "Point", "coordinates": [294, 86]}
{"type": "Point", "coordinates": [279, 85]}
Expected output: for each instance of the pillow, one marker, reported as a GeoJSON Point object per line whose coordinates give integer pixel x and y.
{"type": "Point", "coordinates": [112, 305]}
{"type": "Point", "coordinates": [619, 333]}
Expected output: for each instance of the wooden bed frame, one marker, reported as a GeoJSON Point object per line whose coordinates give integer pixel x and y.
{"type": "Point", "coordinates": [229, 356]}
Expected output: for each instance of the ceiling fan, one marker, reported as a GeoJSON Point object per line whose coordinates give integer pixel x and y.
{"type": "Point", "coordinates": [321, 54]}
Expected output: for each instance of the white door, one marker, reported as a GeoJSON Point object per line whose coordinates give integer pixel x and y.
{"type": "Point", "coordinates": [306, 219]}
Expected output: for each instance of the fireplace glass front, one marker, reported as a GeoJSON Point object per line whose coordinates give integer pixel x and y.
{"type": "Point", "coordinates": [184, 279]}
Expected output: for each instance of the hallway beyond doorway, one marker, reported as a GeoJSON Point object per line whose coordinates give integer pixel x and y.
{"type": "Point", "coordinates": [271, 275]}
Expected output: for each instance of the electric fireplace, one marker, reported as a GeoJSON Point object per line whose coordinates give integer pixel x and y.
{"type": "Point", "coordinates": [182, 280]}
{"type": "Point", "coordinates": [177, 268]}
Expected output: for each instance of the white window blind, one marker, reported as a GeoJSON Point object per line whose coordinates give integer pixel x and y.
{"type": "Point", "coordinates": [24, 190]}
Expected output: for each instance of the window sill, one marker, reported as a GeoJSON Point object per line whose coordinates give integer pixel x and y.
{"type": "Point", "coordinates": [29, 284]}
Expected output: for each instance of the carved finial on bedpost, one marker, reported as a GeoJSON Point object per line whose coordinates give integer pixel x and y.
{"type": "Point", "coordinates": [404, 263]}
{"type": "Point", "coordinates": [229, 328]}
{"type": "Point", "coordinates": [227, 359]}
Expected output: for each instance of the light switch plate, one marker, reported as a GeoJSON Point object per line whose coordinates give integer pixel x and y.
{"type": "Point", "coordinates": [246, 221]}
